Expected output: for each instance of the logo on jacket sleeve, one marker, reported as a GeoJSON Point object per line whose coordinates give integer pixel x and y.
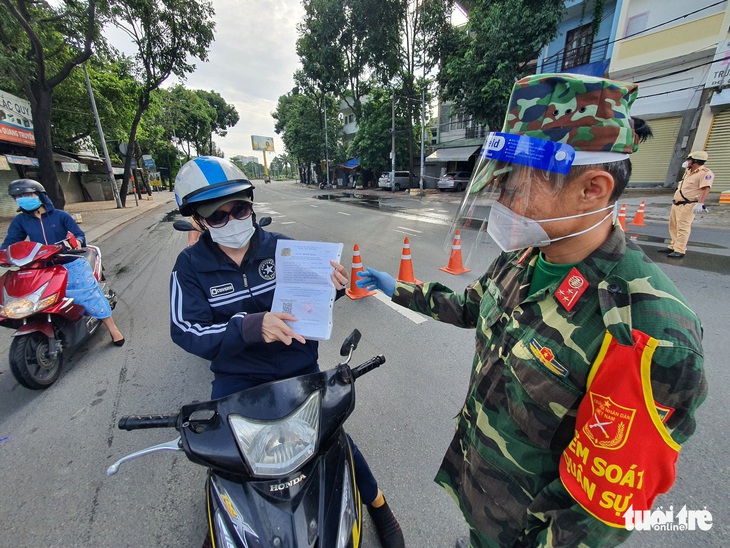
{"type": "Point", "coordinates": [267, 269]}
{"type": "Point", "coordinates": [218, 290]}
{"type": "Point", "coordinates": [611, 422]}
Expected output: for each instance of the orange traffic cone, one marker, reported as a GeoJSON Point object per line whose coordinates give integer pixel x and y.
{"type": "Point", "coordinates": [639, 219]}
{"type": "Point", "coordinates": [455, 265]}
{"type": "Point", "coordinates": [355, 292]}
{"type": "Point", "coordinates": [622, 217]}
{"type": "Point", "coordinates": [405, 273]}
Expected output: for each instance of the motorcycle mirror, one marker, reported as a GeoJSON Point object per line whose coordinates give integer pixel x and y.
{"type": "Point", "coordinates": [183, 226]}
{"type": "Point", "coordinates": [350, 343]}
{"type": "Point", "coordinates": [264, 221]}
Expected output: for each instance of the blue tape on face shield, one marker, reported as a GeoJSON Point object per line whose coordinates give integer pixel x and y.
{"type": "Point", "coordinates": [529, 152]}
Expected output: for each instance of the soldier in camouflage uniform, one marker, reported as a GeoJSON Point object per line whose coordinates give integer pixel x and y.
{"type": "Point", "coordinates": [588, 365]}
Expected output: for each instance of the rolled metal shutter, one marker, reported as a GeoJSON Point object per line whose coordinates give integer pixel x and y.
{"type": "Point", "coordinates": [651, 162]}
{"type": "Point", "coordinates": [718, 150]}
{"type": "Point", "coordinates": [8, 207]}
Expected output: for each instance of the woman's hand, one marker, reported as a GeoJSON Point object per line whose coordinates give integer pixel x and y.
{"type": "Point", "coordinates": [274, 328]}
{"type": "Point", "coordinates": [339, 276]}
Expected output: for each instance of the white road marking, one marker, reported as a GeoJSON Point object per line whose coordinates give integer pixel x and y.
{"type": "Point", "coordinates": [289, 223]}
{"type": "Point", "coordinates": [343, 213]}
{"type": "Point", "coordinates": [415, 317]}
{"type": "Point", "coordinates": [411, 229]}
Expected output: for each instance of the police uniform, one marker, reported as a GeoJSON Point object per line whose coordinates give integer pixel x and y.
{"type": "Point", "coordinates": [523, 470]}
{"type": "Point", "coordinates": [685, 198]}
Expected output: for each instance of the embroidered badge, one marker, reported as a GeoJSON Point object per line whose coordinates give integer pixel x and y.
{"type": "Point", "coordinates": [573, 286]}
{"type": "Point", "coordinates": [218, 290]}
{"type": "Point", "coordinates": [708, 177]}
{"type": "Point", "coordinates": [267, 269]}
{"type": "Point", "coordinates": [547, 357]}
{"type": "Point", "coordinates": [611, 422]}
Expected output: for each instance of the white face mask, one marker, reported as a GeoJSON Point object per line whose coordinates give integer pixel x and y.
{"type": "Point", "coordinates": [511, 231]}
{"type": "Point", "coordinates": [685, 164]}
{"type": "Point", "coordinates": [235, 234]}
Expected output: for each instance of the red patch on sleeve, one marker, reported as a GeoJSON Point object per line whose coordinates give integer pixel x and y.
{"type": "Point", "coordinates": [573, 286]}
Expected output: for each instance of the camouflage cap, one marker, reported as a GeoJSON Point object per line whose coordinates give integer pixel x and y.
{"type": "Point", "coordinates": [588, 113]}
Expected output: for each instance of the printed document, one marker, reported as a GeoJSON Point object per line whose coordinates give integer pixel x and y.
{"type": "Point", "coordinates": [304, 288]}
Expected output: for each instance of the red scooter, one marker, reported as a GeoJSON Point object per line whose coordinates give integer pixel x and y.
{"type": "Point", "coordinates": [33, 301]}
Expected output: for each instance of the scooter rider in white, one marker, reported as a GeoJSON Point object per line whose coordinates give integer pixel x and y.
{"type": "Point", "coordinates": [221, 292]}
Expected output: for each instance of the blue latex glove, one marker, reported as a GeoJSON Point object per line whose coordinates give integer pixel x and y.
{"type": "Point", "coordinates": [374, 279]}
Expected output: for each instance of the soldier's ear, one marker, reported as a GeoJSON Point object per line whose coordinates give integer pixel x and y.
{"type": "Point", "coordinates": [595, 187]}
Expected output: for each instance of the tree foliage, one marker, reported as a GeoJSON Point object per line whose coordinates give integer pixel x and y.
{"type": "Point", "coordinates": [166, 33]}
{"type": "Point", "coordinates": [40, 45]}
{"type": "Point", "coordinates": [481, 62]}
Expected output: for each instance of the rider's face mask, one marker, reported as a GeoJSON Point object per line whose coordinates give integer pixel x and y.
{"type": "Point", "coordinates": [236, 233]}
{"type": "Point", "coordinates": [515, 187]}
{"type": "Point", "coordinates": [685, 164]}
{"type": "Point", "coordinates": [29, 203]}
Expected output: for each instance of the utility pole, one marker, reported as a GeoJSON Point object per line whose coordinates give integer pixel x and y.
{"type": "Point", "coordinates": [109, 167]}
{"type": "Point", "coordinates": [423, 133]}
{"type": "Point", "coordinates": [326, 145]}
{"type": "Point", "coordinates": [392, 143]}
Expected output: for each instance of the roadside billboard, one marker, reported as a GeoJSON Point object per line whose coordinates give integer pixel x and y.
{"type": "Point", "coordinates": [16, 121]}
{"type": "Point", "coordinates": [262, 143]}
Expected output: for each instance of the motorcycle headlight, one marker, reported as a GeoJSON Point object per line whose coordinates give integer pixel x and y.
{"type": "Point", "coordinates": [277, 448]}
{"type": "Point", "coordinates": [348, 513]}
{"type": "Point", "coordinates": [21, 307]}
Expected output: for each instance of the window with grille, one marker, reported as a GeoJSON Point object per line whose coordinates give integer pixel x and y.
{"type": "Point", "coordinates": [578, 46]}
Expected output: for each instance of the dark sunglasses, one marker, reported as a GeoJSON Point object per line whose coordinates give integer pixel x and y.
{"type": "Point", "coordinates": [219, 218]}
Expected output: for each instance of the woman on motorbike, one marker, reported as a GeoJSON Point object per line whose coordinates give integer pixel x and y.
{"type": "Point", "coordinates": [41, 222]}
{"type": "Point", "coordinates": [221, 291]}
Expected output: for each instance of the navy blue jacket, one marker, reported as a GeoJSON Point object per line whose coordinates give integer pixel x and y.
{"type": "Point", "coordinates": [217, 309]}
{"type": "Point", "coordinates": [51, 228]}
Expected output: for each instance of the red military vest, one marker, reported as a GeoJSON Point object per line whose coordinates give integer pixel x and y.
{"type": "Point", "coordinates": [622, 455]}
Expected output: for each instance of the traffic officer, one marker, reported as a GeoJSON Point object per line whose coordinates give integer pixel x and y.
{"type": "Point", "coordinates": [688, 201]}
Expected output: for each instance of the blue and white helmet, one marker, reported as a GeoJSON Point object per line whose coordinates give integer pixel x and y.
{"type": "Point", "coordinates": [208, 178]}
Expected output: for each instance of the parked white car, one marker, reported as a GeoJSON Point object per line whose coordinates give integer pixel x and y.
{"type": "Point", "coordinates": [453, 180]}
{"type": "Point", "coordinates": [403, 179]}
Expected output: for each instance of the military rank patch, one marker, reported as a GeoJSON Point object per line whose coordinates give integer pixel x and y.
{"type": "Point", "coordinates": [664, 412]}
{"type": "Point", "coordinates": [573, 286]}
{"type": "Point", "coordinates": [547, 357]}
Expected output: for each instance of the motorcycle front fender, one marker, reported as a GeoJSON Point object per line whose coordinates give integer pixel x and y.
{"type": "Point", "coordinates": [43, 327]}
{"type": "Point", "coordinates": [301, 510]}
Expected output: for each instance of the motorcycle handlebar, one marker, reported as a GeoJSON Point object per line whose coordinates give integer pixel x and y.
{"type": "Point", "coordinates": [368, 366]}
{"type": "Point", "coordinates": [138, 422]}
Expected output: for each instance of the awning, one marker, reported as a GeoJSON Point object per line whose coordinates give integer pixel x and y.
{"type": "Point", "coordinates": [352, 163]}
{"type": "Point", "coordinates": [455, 154]}
{"type": "Point", "coordinates": [74, 167]}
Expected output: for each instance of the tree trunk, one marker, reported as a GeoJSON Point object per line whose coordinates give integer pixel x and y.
{"type": "Point", "coordinates": [130, 152]}
{"type": "Point", "coordinates": [40, 98]}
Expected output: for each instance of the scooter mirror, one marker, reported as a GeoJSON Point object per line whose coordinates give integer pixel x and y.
{"type": "Point", "coordinates": [264, 221]}
{"type": "Point", "coordinates": [350, 343]}
{"type": "Point", "coordinates": [183, 226]}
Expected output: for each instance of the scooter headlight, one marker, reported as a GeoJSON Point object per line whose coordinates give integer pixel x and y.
{"type": "Point", "coordinates": [21, 307]}
{"type": "Point", "coordinates": [277, 448]}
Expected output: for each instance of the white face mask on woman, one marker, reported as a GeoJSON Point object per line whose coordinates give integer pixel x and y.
{"type": "Point", "coordinates": [235, 234]}
{"type": "Point", "coordinates": [512, 231]}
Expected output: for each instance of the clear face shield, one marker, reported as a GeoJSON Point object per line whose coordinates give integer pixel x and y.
{"type": "Point", "coordinates": [512, 177]}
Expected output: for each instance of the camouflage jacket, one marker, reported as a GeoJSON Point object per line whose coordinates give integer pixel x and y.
{"type": "Point", "coordinates": [519, 415]}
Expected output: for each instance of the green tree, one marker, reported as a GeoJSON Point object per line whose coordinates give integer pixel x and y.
{"type": "Point", "coordinates": [40, 45]}
{"type": "Point", "coordinates": [481, 62]}
{"type": "Point", "coordinates": [166, 33]}
{"type": "Point", "coordinates": [346, 46]}
{"type": "Point", "coordinates": [372, 143]}
{"type": "Point", "coordinates": [226, 115]}
{"type": "Point", "coordinates": [73, 123]}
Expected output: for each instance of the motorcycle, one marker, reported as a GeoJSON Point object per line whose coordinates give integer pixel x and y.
{"type": "Point", "coordinates": [33, 302]}
{"type": "Point", "coordinates": [280, 468]}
